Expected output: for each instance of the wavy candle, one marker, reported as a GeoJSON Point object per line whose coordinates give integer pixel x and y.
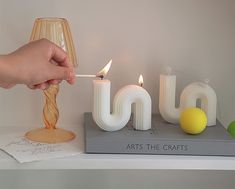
{"type": "Point", "coordinates": [123, 100]}
{"type": "Point", "coordinates": [188, 98]}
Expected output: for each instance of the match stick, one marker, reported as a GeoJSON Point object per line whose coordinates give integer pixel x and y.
{"type": "Point", "coordinates": [78, 75]}
{"type": "Point", "coordinates": [100, 75]}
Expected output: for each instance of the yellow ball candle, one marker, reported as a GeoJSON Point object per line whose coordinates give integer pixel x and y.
{"type": "Point", "coordinates": [193, 120]}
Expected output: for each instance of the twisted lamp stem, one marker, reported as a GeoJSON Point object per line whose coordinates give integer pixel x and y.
{"type": "Point", "coordinates": [50, 110]}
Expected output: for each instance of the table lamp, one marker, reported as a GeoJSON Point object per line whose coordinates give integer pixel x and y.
{"type": "Point", "coordinates": [56, 30]}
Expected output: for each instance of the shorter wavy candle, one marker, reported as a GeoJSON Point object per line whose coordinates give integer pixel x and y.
{"type": "Point", "coordinates": [124, 98]}
{"type": "Point", "coordinates": [188, 99]}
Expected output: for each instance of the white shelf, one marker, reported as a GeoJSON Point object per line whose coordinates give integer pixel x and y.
{"type": "Point", "coordinates": [88, 161]}
{"type": "Point", "coordinates": [108, 161]}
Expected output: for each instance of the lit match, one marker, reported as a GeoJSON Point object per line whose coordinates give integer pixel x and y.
{"type": "Point", "coordinates": [100, 74]}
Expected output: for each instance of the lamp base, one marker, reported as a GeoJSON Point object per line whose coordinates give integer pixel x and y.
{"type": "Point", "coordinates": [50, 135]}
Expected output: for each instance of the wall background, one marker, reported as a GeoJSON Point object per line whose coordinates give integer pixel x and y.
{"type": "Point", "coordinates": [195, 37]}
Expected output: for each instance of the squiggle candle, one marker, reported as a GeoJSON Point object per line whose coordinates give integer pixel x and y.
{"type": "Point", "coordinates": [188, 98]}
{"type": "Point", "coordinates": [123, 100]}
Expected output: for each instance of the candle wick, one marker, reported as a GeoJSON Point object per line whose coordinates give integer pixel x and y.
{"type": "Point", "coordinates": [101, 76]}
{"type": "Point", "coordinates": [168, 70]}
{"type": "Point", "coordinates": [207, 81]}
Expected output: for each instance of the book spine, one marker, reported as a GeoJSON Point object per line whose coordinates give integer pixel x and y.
{"type": "Point", "coordinates": [165, 147]}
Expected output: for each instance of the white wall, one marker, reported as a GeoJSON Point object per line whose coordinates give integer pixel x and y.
{"type": "Point", "coordinates": [194, 37]}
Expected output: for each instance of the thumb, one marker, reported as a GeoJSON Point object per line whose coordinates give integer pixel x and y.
{"type": "Point", "coordinates": [60, 73]}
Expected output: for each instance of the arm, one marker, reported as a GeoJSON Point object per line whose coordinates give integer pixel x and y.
{"type": "Point", "coordinates": [6, 72]}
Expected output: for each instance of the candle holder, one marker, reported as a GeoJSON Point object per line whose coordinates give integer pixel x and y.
{"type": "Point", "coordinates": [56, 30]}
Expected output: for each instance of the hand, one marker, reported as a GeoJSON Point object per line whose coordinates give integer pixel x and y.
{"type": "Point", "coordinates": [37, 65]}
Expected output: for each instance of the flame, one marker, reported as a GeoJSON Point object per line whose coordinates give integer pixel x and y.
{"type": "Point", "coordinates": [105, 70]}
{"type": "Point", "coordinates": [141, 81]}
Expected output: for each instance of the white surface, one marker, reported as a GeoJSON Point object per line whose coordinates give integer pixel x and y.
{"type": "Point", "coordinates": [115, 161]}
{"type": "Point", "coordinates": [116, 179]}
{"type": "Point", "coordinates": [88, 161]}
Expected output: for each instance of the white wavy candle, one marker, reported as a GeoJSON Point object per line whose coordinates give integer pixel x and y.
{"type": "Point", "coordinates": [188, 98]}
{"type": "Point", "coordinates": [123, 100]}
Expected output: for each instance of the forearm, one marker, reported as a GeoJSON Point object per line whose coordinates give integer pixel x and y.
{"type": "Point", "coordinates": [7, 75]}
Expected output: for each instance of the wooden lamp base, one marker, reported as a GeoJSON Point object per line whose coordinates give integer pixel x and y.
{"type": "Point", "coordinates": [50, 135]}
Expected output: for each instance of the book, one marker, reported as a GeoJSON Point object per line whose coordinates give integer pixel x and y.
{"type": "Point", "coordinates": [162, 138]}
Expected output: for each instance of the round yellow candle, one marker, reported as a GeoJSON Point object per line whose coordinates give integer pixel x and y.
{"type": "Point", "coordinates": [193, 120]}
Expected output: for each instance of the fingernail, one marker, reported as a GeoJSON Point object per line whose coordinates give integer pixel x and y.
{"type": "Point", "coordinates": [70, 74]}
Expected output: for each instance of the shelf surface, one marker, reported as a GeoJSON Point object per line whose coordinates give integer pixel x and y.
{"type": "Point", "coordinates": [118, 161]}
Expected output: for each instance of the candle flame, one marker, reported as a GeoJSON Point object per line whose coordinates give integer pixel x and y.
{"type": "Point", "coordinates": [141, 81]}
{"type": "Point", "coordinates": [105, 70]}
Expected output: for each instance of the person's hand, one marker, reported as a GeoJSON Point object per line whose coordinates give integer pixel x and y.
{"type": "Point", "coordinates": [37, 65]}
